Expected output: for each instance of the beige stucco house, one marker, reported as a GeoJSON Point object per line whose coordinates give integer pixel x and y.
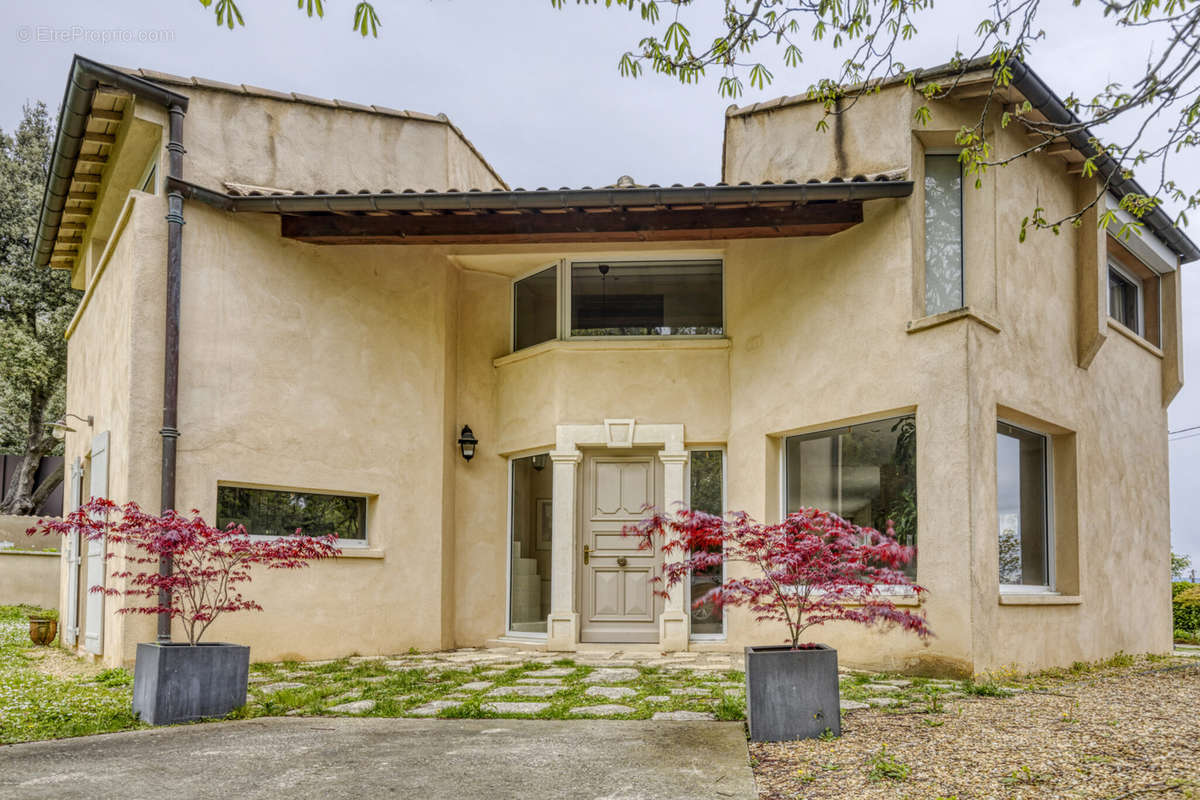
{"type": "Point", "coordinates": [356, 284]}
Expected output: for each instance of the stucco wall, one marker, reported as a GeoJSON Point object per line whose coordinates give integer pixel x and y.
{"type": "Point", "coordinates": [308, 148]}
{"type": "Point", "coordinates": [30, 577]}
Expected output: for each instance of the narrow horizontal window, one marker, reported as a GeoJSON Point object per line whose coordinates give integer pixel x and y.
{"type": "Point", "coordinates": [1022, 467]}
{"type": "Point", "coordinates": [646, 298]}
{"type": "Point", "coordinates": [274, 512]}
{"type": "Point", "coordinates": [535, 308]}
{"type": "Point", "coordinates": [943, 234]}
{"type": "Point", "coordinates": [864, 473]}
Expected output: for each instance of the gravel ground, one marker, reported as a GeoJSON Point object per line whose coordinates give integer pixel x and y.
{"type": "Point", "coordinates": [1102, 733]}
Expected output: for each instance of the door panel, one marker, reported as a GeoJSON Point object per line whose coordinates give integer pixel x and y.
{"type": "Point", "coordinates": [70, 629]}
{"type": "Point", "coordinates": [617, 598]}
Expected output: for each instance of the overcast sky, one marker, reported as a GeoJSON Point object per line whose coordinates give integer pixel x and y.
{"type": "Point", "coordinates": [538, 93]}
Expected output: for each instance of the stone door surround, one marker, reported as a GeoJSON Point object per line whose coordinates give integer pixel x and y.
{"type": "Point", "coordinates": [617, 434]}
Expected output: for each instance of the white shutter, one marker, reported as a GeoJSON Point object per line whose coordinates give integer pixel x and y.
{"type": "Point", "coordinates": [93, 636]}
{"type": "Point", "coordinates": [70, 632]}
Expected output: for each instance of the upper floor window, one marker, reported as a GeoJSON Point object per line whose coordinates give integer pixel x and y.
{"type": "Point", "coordinates": [864, 473]}
{"type": "Point", "coordinates": [274, 512]}
{"type": "Point", "coordinates": [943, 234]}
{"type": "Point", "coordinates": [535, 308]}
{"type": "Point", "coordinates": [1124, 298]}
{"type": "Point", "coordinates": [646, 298]}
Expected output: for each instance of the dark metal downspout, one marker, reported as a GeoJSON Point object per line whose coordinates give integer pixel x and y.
{"type": "Point", "coordinates": [170, 431]}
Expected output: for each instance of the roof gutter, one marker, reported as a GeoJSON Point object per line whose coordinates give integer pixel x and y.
{"type": "Point", "coordinates": [1044, 100]}
{"type": "Point", "coordinates": [86, 76]}
{"type": "Point", "coordinates": [498, 200]}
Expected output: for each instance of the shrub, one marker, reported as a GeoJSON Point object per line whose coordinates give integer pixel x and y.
{"type": "Point", "coordinates": [812, 568]}
{"type": "Point", "coordinates": [1185, 608]}
{"type": "Point", "coordinates": [206, 563]}
{"type": "Point", "coordinates": [44, 613]}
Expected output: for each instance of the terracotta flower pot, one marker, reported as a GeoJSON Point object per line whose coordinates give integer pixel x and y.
{"type": "Point", "coordinates": [42, 631]}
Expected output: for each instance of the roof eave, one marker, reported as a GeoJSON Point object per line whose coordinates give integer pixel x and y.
{"type": "Point", "coordinates": [85, 76]}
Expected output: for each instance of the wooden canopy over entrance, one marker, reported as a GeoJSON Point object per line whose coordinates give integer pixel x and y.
{"type": "Point", "coordinates": [675, 213]}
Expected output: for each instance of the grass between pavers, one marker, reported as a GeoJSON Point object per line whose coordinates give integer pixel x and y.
{"type": "Point", "coordinates": [399, 690]}
{"type": "Point", "coordinates": [36, 705]}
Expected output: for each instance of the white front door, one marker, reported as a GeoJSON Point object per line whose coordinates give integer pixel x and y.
{"type": "Point", "coordinates": [618, 599]}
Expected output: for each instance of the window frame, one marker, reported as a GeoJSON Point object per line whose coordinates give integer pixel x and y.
{"type": "Point", "coordinates": [722, 449]}
{"type": "Point", "coordinates": [344, 544]}
{"type": "Point", "coordinates": [1048, 504]}
{"type": "Point", "coordinates": [893, 591]}
{"type": "Point", "coordinates": [565, 298]}
{"type": "Point", "coordinates": [1139, 297]}
{"type": "Point", "coordinates": [557, 266]}
{"type": "Point", "coordinates": [962, 234]}
{"type": "Point", "coordinates": [509, 633]}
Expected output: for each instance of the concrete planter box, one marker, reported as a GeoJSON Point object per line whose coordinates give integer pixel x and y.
{"type": "Point", "coordinates": [792, 694]}
{"type": "Point", "coordinates": [181, 682]}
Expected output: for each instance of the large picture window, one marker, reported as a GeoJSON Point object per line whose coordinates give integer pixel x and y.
{"type": "Point", "coordinates": [943, 234]}
{"type": "Point", "coordinates": [706, 487]}
{"type": "Point", "coordinates": [275, 512]}
{"type": "Point", "coordinates": [1022, 468]}
{"type": "Point", "coordinates": [646, 298]}
{"type": "Point", "coordinates": [865, 473]}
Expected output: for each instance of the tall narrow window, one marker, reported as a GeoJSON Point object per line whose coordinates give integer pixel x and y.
{"type": "Point", "coordinates": [535, 308]}
{"type": "Point", "coordinates": [531, 538]}
{"type": "Point", "coordinates": [943, 234]}
{"type": "Point", "coordinates": [1022, 468]}
{"type": "Point", "coordinates": [707, 492]}
{"type": "Point", "coordinates": [865, 473]}
{"type": "Point", "coordinates": [646, 298]}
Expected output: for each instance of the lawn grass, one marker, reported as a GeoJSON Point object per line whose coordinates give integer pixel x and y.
{"type": "Point", "coordinates": [35, 705]}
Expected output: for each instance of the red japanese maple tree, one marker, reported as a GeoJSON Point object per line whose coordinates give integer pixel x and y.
{"type": "Point", "coordinates": [207, 563]}
{"type": "Point", "coordinates": [813, 568]}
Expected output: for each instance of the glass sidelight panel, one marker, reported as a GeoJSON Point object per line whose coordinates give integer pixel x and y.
{"type": "Point", "coordinates": [531, 527]}
{"type": "Point", "coordinates": [707, 488]}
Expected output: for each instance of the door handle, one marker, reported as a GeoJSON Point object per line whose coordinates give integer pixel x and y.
{"type": "Point", "coordinates": [586, 554]}
{"type": "Point", "coordinates": [621, 561]}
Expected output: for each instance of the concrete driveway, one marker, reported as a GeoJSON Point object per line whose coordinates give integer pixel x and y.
{"type": "Point", "coordinates": [336, 757]}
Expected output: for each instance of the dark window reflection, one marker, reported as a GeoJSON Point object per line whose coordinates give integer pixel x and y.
{"type": "Point", "coordinates": [669, 298]}
{"type": "Point", "coordinates": [707, 493]}
{"type": "Point", "coordinates": [271, 512]}
{"type": "Point", "coordinates": [535, 300]}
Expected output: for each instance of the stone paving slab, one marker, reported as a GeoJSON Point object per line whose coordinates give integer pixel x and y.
{"type": "Point", "coordinates": [526, 691]}
{"type": "Point", "coordinates": [357, 707]}
{"type": "Point", "coordinates": [271, 688]}
{"type": "Point", "coordinates": [349, 758]}
{"type": "Point", "coordinates": [516, 708]}
{"type": "Point", "coordinates": [611, 692]}
{"type": "Point", "coordinates": [475, 686]}
{"type": "Point", "coordinates": [602, 710]}
{"type": "Point", "coordinates": [680, 716]}
{"type": "Point", "coordinates": [432, 708]}
{"type": "Point", "coordinates": [618, 675]}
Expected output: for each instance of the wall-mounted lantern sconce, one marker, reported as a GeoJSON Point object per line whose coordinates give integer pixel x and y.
{"type": "Point", "coordinates": [467, 442]}
{"type": "Point", "coordinates": [539, 462]}
{"type": "Point", "coordinates": [60, 429]}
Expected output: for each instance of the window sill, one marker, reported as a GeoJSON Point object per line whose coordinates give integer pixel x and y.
{"type": "Point", "coordinates": [616, 343]}
{"type": "Point", "coordinates": [967, 312]}
{"type": "Point", "coordinates": [1039, 599]}
{"type": "Point", "coordinates": [360, 552]}
{"type": "Point", "coordinates": [1134, 337]}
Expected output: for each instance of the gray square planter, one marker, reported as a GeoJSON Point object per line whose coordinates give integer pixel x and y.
{"type": "Point", "coordinates": [182, 682]}
{"type": "Point", "coordinates": [792, 694]}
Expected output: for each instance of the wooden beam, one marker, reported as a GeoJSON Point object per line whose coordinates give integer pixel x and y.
{"type": "Point", "coordinates": [91, 137]}
{"type": "Point", "coordinates": [71, 226]}
{"type": "Point", "coordinates": [81, 196]}
{"type": "Point", "coordinates": [1075, 167]}
{"type": "Point", "coordinates": [91, 158]}
{"type": "Point", "coordinates": [814, 219]}
{"type": "Point", "coordinates": [106, 115]}
{"type": "Point", "coordinates": [1058, 148]}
